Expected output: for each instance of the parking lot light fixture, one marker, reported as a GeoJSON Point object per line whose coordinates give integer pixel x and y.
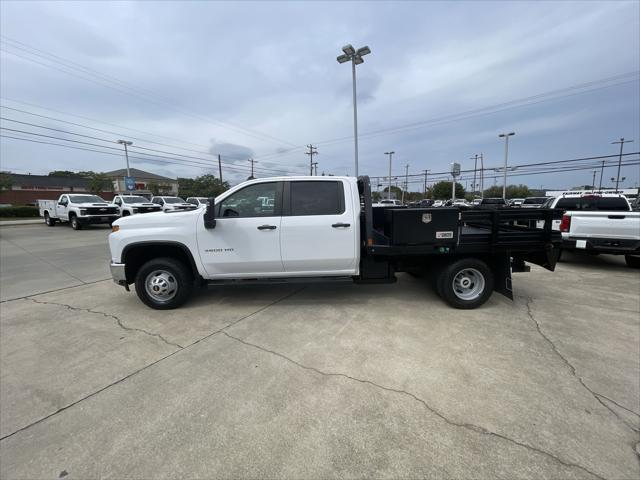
{"type": "Point", "coordinates": [350, 53]}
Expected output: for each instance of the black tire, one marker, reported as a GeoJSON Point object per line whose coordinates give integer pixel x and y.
{"type": "Point", "coordinates": [633, 261]}
{"type": "Point", "coordinates": [478, 283]}
{"type": "Point", "coordinates": [174, 269]}
{"type": "Point", "coordinates": [48, 220]}
{"type": "Point", "coordinates": [75, 223]}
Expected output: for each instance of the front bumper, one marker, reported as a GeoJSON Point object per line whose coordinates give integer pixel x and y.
{"type": "Point", "coordinates": [118, 274]}
{"type": "Point", "coordinates": [97, 219]}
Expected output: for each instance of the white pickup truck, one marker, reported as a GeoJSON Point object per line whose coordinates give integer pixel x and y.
{"type": "Point", "coordinates": [134, 204]}
{"type": "Point", "coordinates": [300, 228]}
{"type": "Point", "coordinates": [78, 210]}
{"type": "Point", "coordinates": [614, 232]}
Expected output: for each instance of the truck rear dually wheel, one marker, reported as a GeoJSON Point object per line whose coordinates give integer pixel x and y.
{"type": "Point", "coordinates": [164, 283]}
{"type": "Point", "coordinates": [466, 283]}
{"type": "Point", "coordinates": [48, 220]}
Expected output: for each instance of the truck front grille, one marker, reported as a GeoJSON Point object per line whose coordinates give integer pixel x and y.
{"type": "Point", "coordinates": [101, 210]}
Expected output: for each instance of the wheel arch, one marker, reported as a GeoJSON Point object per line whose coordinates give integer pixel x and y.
{"type": "Point", "coordinates": [137, 254]}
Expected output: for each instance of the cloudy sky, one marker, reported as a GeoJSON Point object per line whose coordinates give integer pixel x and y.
{"type": "Point", "coordinates": [185, 80]}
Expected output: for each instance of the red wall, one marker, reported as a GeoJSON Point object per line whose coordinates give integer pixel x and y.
{"type": "Point", "coordinates": [28, 197]}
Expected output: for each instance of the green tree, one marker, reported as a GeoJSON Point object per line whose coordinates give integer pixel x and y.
{"type": "Point", "coordinates": [513, 191]}
{"type": "Point", "coordinates": [70, 174]}
{"type": "Point", "coordinates": [442, 191]}
{"type": "Point", "coordinates": [202, 186]}
{"type": "Point", "coordinates": [6, 182]}
{"type": "Point", "coordinates": [98, 183]}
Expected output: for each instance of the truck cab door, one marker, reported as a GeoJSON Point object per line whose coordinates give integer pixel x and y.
{"type": "Point", "coordinates": [319, 228]}
{"type": "Point", "coordinates": [245, 242]}
{"type": "Point", "coordinates": [118, 203]}
{"type": "Point", "coordinates": [62, 207]}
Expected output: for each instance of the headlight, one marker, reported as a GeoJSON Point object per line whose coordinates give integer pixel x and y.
{"type": "Point", "coordinates": [83, 211]}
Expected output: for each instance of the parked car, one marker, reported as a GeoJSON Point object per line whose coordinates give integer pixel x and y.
{"type": "Point", "coordinates": [515, 202]}
{"type": "Point", "coordinates": [438, 203]}
{"type": "Point", "coordinates": [170, 204]}
{"type": "Point", "coordinates": [198, 201]}
{"type": "Point", "coordinates": [427, 202]}
{"type": "Point", "coordinates": [491, 203]}
{"type": "Point", "coordinates": [385, 202]}
{"type": "Point", "coordinates": [78, 210]}
{"type": "Point", "coordinates": [533, 202]}
{"type": "Point", "coordinates": [319, 232]}
{"type": "Point", "coordinates": [134, 204]}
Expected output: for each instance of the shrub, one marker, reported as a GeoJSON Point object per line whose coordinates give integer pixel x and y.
{"type": "Point", "coordinates": [13, 212]}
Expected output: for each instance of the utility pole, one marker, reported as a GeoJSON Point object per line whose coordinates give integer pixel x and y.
{"type": "Point", "coordinates": [220, 168]}
{"type": "Point", "coordinates": [601, 173]}
{"type": "Point", "coordinates": [481, 176]}
{"type": "Point", "coordinates": [315, 168]}
{"type": "Point", "coordinates": [621, 142]}
{"type": "Point", "coordinates": [475, 166]}
{"type": "Point", "coordinates": [426, 173]}
{"type": "Point", "coordinates": [593, 181]}
{"type": "Point", "coordinates": [252, 162]}
{"type": "Point", "coordinates": [312, 151]}
{"type": "Point", "coordinates": [390, 155]}
{"type": "Point", "coordinates": [126, 143]}
{"type": "Point", "coordinates": [406, 181]}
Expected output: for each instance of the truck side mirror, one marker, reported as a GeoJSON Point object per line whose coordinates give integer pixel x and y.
{"type": "Point", "coordinates": [210, 214]}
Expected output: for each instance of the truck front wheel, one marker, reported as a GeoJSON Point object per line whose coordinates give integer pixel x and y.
{"type": "Point", "coordinates": [466, 283]}
{"type": "Point", "coordinates": [164, 283]}
{"type": "Point", "coordinates": [75, 223]}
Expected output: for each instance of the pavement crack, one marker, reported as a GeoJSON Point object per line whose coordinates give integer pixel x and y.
{"type": "Point", "coordinates": [114, 317]}
{"type": "Point", "coordinates": [469, 426]}
{"type": "Point", "coordinates": [572, 369]}
{"type": "Point", "coordinates": [120, 380]}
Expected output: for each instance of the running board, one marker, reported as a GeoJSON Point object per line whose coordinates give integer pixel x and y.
{"type": "Point", "coordinates": [276, 280]}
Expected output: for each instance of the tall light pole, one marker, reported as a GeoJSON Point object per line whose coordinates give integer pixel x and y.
{"type": "Point", "coordinates": [126, 143]}
{"type": "Point", "coordinates": [390, 155]}
{"type": "Point", "coordinates": [475, 167]}
{"type": "Point", "coordinates": [506, 156]}
{"type": "Point", "coordinates": [621, 142]}
{"type": "Point", "coordinates": [406, 181]}
{"type": "Point", "coordinates": [355, 56]}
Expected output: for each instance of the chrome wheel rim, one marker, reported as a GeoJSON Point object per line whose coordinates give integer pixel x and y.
{"type": "Point", "coordinates": [468, 284]}
{"type": "Point", "coordinates": [161, 285]}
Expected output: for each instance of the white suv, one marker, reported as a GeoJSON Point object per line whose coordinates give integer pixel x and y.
{"type": "Point", "coordinates": [198, 201]}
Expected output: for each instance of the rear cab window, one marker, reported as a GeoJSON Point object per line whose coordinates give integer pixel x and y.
{"type": "Point", "coordinates": [320, 197]}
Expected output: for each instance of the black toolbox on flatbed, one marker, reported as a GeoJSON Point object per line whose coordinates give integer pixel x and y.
{"type": "Point", "coordinates": [422, 226]}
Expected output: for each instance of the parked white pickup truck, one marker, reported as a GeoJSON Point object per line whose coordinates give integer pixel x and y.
{"type": "Point", "coordinates": [134, 204]}
{"type": "Point", "coordinates": [78, 210]}
{"type": "Point", "coordinates": [296, 228]}
{"type": "Point", "coordinates": [612, 232]}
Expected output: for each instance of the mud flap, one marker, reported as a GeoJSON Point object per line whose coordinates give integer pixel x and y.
{"type": "Point", "coordinates": [546, 259]}
{"type": "Point", "coordinates": [501, 267]}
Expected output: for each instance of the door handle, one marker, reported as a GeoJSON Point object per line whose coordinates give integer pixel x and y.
{"type": "Point", "coordinates": [338, 225]}
{"type": "Point", "coordinates": [267, 227]}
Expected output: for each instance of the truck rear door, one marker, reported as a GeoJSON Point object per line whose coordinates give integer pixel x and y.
{"type": "Point", "coordinates": [319, 230]}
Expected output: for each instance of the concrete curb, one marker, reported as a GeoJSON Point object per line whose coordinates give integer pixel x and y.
{"type": "Point", "coordinates": [8, 223]}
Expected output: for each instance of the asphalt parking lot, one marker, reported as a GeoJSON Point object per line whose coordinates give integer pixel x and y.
{"type": "Point", "coordinates": [315, 381]}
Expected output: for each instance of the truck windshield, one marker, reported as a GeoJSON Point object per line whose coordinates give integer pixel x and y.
{"type": "Point", "coordinates": [173, 200]}
{"type": "Point", "coordinates": [86, 199]}
{"type": "Point", "coordinates": [133, 199]}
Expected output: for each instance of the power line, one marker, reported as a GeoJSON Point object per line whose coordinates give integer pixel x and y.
{"type": "Point", "coordinates": [112, 141]}
{"type": "Point", "coordinates": [134, 91]}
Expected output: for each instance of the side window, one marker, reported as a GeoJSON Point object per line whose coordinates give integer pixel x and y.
{"type": "Point", "coordinates": [317, 198]}
{"type": "Point", "coordinates": [118, 201]}
{"type": "Point", "coordinates": [613, 203]}
{"type": "Point", "coordinates": [64, 200]}
{"type": "Point", "coordinates": [569, 203]}
{"type": "Point", "coordinates": [192, 201]}
{"type": "Point", "coordinates": [257, 200]}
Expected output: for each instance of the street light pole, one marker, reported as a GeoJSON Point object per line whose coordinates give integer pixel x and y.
{"type": "Point", "coordinates": [506, 156]}
{"type": "Point", "coordinates": [126, 153]}
{"type": "Point", "coordinates": [406, 181]}
{"type": "Point", "coordinates": [355, 56]}
{"type": "Point", "coordinates": [390, 155]}
{"type": "Point", "coordinates": [621, 142]}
